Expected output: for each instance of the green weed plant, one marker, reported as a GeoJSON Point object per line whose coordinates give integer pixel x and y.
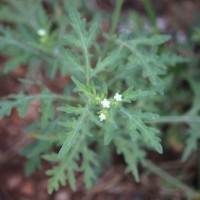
{"type": "Point", "coordinates": [113, 99]}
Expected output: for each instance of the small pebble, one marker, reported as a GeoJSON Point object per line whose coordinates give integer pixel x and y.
{"type": "Point", "coordinates": [27, 188]}
{"type": "Point", "coordinates": [13, 182]}
{"type": "Point", "coordinates": [62, 195]}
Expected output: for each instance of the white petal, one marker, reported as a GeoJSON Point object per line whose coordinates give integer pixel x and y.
{"type": "Point", "coordinates": [41, 32]}
{"type": "Point", "coordinates": [118, 97]}
{"type": "Point", "coordinates": [102, 117]}
{"type": "Point", "coordinates": [105, 103]}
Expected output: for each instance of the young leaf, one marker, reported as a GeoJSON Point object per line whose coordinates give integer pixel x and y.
{"type": "Point", "coordinates": [103, 65]}
{"type": "Point", "coordinates": [84, 89]}
{"type": "Point", "coordinates": [153, 40]}
{"type": "Point", "coordinates": [109, 133]}
{"type": "Point", "coordinates": [71, 109]}
{"type": "Point", "coordinates": [130, 95]}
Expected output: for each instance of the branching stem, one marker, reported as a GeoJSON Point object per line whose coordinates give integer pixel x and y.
{"type": "Point", "coordinates": [45, 96]}
{"type": "Point", "coordinates": [178, 119]}
{"type": "Point", "coordinates": [151, 13]}
{"type": "Point", "coordinates": [115, 20]}
{"type": "Point", "coordinates": [170, 179]}
{"type": "Point", "coordinates": [116, 16]}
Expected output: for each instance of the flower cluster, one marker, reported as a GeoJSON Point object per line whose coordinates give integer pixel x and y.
{"type": "Point", "coordinates": [106, 105]}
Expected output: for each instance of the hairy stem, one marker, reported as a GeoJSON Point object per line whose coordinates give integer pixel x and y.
{"type": "Point", "coordinates": [116, 16]}
{"type": "Point", "coordinates": [151, 13]}
{"type": "Point", "coordinates": [170, 179]}
{"type": "Point", "coordinates": [115, 20]}
{"type": "Point", "coordinates": [51, 96]}
{"type": "Point", "coordinates": [178, 119]}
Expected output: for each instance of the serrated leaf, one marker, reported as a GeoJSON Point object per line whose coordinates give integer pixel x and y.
{"type": "Point", "coordinates": [89, 162]}
{"type": "Point", "coordinates": [67, 124]}
{"type": "Point", "coordinates": [153, 40]}
{"type": "Point", "coordinates": [72, 135]}
{"type": "Point", "coordinates": [47, 111]}
{"type": "Point", "coordinates": [15, 62]}
{"type": "Point", "coordinates": [132, 155]}
{"type": "Point", "coordinates": [132, 131]}
{"type": "Point", "coordinates": [172, 59]}
{"type": "Point", "coordinates": [93, 88]}
{"type": "Point", "coordinates": [72, 61]}
{"type": "Point", "coordinates": [103, 65]}
{"type": "Point", "coordinates": [58, 177]}
{"type": "Point", "coordinates": [5, 109]}
{"type": "Point", "coordinates": [108, 134]}
{"type": "Point", "coordinates": [93, 118]}
{"type": "Point", "coordinates": [31, 165]}
{"type": "Point", "coordinates": [18, 101]}
{"type": "Point", "coordinates": [92, 34]}
{"type": "Point", "coordinates": [71, 109]}
{"type": "Point", "coordinates": [192, 141]}
{"type": "Point", "coordinates": [22, 109]}
{"type": "Point", "coordinates": [71, 179]}
{"type": "Point", "coordinates": [72, 40]}
{"type": "Point", "coordinates": [62, 172]}
{"type": "Point", "coordinates": [84, 89]}
{"type": "Point", "coordinates": [148, 61]}
{"type": "Point", "coordinates": [53, 67]}
{"type": "Point", "coordinates": [148, 134]}
{"type": "Point", "coordinates": [104, 90]}
{"type": "Point", "coordinates": [50, 157]}
{"type": "Point", "coordinates": [130, 95]}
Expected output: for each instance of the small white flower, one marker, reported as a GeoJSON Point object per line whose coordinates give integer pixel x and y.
{"type": "Point", "coordinates": [41, 32]}
{"type": "Point", "coordinates": [118, 97]}
{"type": "Point", "coordinates": [105, 103]}
{"type": "Point", "coordinates": [102, 117]}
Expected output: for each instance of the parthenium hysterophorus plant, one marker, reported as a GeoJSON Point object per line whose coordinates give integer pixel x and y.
{"type": "Point", "coordinates": [113, 93]}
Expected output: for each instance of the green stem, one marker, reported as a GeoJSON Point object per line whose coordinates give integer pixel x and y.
{"type": "Point", "coordinates": [115, 20]}
{"type": "Point", "coordinates": [86, 55]}
{"type": "Point", "coordinates": [43, 54]}
{"type": "Point", "coordinates": [88, 66]}
{"type": "Point", "coordinates": [151, 13]}
{"type": "Point", "coordinates": [45, 96]}
{"type": "Point", "coordinates": [116, 16]}
{"type": "Point", "coordinates": [170, 179]}
{"type": "Point", "coordinates": [178, 119]}
{"type": "Point", "coordinates": [198, 170]}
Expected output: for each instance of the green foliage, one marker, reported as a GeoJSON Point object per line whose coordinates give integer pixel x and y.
{"type": "Point", "coordinates": [193, 134]}
{"type": "Point", "coordinates": [72, 136]}
{"type": "Point", "coordinates": [88, 164]}
{"type": "Point", "coordinates": [65, 170]}
{"type": "Point", "coordinates": [137, 127]}
{"type": "Point", "coordinates": [146, 59]}
{"type": "Point", "coordinates": [20, 38]}
{"type": "Point", "coordinates": [192, 141]}
{"type": "Point", "coordinates": [115, 87]}
{"type": "Point", "coordinates": [19, 102]}
{"type": "Point", "coordinates": [132, 155]}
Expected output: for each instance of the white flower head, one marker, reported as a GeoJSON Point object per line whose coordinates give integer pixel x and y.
{"type": "Point", "coordinates": [102, 117]}
{"type": "Point", "coordinates": [118, 97]}
{"type": "Point", "coordinates": [41, 32]}
{"type": "Point", "coordinates": [105, 103]}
